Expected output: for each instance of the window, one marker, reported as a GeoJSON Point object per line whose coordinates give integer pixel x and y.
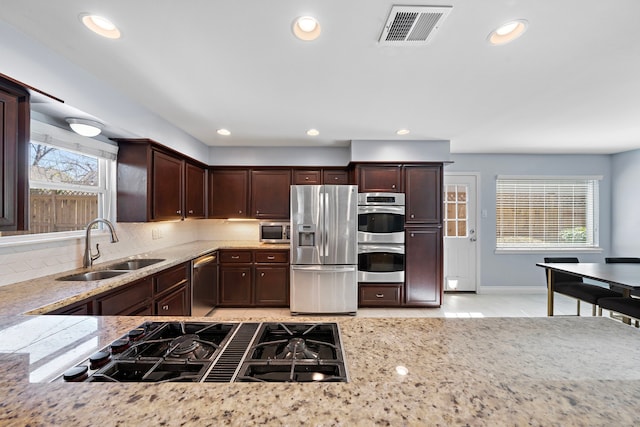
{"type": "Point", "coordinates": [546, 212]}
{"type": "Point", "coordinates": [455, 211]}
{"type": "Point", "coordinates": [70, 180]}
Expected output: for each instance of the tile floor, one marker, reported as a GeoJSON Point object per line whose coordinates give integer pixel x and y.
{"type": "Point", "coordinates": [454, 305]}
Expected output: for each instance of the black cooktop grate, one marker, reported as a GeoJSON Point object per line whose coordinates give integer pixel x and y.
{"type": "Point", "coordinates": [225, 368]}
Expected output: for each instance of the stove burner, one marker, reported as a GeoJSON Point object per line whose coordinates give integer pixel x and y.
{"type": "Point", "coordinates": [296, 348]}
{"type": "Point", "coordinates": [189, 346]}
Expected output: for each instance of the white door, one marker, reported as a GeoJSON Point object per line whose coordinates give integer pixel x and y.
{"type": "Point", "coordinates": [460, 232]}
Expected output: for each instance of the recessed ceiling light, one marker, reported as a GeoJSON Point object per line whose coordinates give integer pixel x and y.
{"type": "Point", "coordinates": [313, 132]}
{"type": "Point", "coordinates": [100, 25]}
{"type": "Point", "coordinates": [403, 132]}
{"type": "Point", "coordinates": [85, 127]}
{"type": "Point", "coordinates": [223, 132]}
{"type": "Point", "coordinates": [508, 32]}
{"type": "Point", "coordinates": [306, 28]}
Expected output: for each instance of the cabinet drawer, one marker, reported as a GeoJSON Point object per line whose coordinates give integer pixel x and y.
{"type": "Point", "coordinates": [272, 256]}
{"type": "Point", "coordinates": [120, 302]}
{"type": "Point", "coordinates": [336, 177]}
{"type": "Point", "coordinates": [236, 257]}
{"type": "Point", "coordinates": [170, 278]}
{"type": "Point", "coordinates": [310, 177]}
{"type": "Point", "coordinates": [380, 295]}
{"type": "Point", "coordinates": [174, 304]}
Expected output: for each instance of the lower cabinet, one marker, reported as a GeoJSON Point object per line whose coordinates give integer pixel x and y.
{"type": "Point", "coordinates": [166, 293]}
{"type": "Point", "coordinates": [254, 278]}
{"type": "Point", "coordinates": [423, 269]}
{"type": "Point", "coordinates": [379, 295]}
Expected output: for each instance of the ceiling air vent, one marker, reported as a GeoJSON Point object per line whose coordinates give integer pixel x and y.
{"type": "Point", "coordinates": [412, 25]}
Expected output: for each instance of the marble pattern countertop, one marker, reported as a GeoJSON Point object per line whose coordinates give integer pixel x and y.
{"type": "Point", "coordinates": [475, 372]}
{"type": "Point", "coordinates": [45, 294]}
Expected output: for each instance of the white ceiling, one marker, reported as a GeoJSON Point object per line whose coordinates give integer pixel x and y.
{"type": "Point", "coordinates": [570, 84]}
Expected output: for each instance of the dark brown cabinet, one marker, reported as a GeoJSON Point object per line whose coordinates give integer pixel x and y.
{"type": "Point", "coordinates": [126, 301]}
{"type": "Point", "coordinates": [174, 304]}
{"type": "Point", "coordinates": [380, 295]}
{"type": "Point", "coordinates": [195, 191]}
{"type": "Point", "coordinates": [320, 176]}
{"type": "Point", "coordinates": [251, 278]}
{"type": "Point", "coordinates": [423, 266]}
{"type": "Point", "coordinates": [158, 184]}
{"type": "Point", "coordinates": [14, 156]}
{"type": "Point", "coordinates": [379, 178]}
{"type": "Point", "coordinates": [423, 194]}
{"type": "Point", "coordinates": [335, 177]}
{"type": "Point", "coordinates": [270, 193]}
{"type": "Point", "coordinates": [229, 193]}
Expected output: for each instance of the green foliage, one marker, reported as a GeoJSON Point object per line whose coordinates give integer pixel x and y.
{"type": "Point", "coordinates": [574, 235]}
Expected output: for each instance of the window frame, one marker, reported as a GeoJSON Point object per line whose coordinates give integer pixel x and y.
{"type": "Point", "coordinates": [593, 217]}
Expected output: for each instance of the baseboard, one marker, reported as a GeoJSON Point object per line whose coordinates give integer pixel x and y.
{"type": "Point", "coordinates": [505, 290]}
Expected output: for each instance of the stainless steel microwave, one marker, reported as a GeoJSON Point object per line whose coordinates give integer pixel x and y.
{"type": "Point", "coordinates": [275, 232]}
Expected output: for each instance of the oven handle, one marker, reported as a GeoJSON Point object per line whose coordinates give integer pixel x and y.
{"type": "Point", "coordinates": [367, 249]}
{"type": "Point", "coordinates": [397, 210]}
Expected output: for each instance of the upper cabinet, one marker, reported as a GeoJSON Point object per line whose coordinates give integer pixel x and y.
{"type": "Point", "coordinates": [157, 184]}
{"type": "Point", "coordinates": [228, 193]}
{"type": "Point", "coordinates": [379, 178]}
{"type": "Point", "coordinates": [270, 193]}
{"type": "Point", "coordinates": [320, 176]}
{"type": "Point", "coordinates": [14, 152]}
{"type": "Point", "coordinates": [423, 189]}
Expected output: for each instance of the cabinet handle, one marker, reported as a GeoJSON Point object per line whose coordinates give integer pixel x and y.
{"type": "Point", "coordinates": [235, 256]}
{"type": "Point", "coordinates": [179, 212]}
{"type": "Point", "coordinates": [271, 257]}
{"type": "Point", "coordinates": [335, 178]}
{"type": "Point", "coordinates": [165, 307]}
{"type": "Point", "coordinates": [413, 216]}
{"type": "Point", "coordinates": [393, 186]}
{"type": "Point", "coordinates": [190, 211]}
{"type": "Point", "coordinates": [306, 178]}
{"type": "Point", "coordinates": [262, 274]}
{"type": "Point", "coordinates": [379, 295]}
{"type": "Point", "coordinates": [244, 274]}
{"type": "Point", "coordinates": [257, 211]}
{"type": "Point", "coordinates": [413, 235]}
{"type": "Point", "coordinates": [240, 212]}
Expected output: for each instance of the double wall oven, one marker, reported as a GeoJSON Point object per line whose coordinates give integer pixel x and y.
{"type": "Point", "coordinates": [381, 237]}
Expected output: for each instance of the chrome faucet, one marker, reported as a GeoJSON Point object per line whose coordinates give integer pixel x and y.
{"type": "Point", "coordinates": [88, 256]}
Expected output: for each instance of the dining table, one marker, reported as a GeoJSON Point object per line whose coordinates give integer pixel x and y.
{"type": "Point", "coordinates": [625, 276]}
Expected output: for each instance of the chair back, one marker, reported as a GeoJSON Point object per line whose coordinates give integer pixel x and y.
{"type": "Point", "coordinates": [559, 277]}
{"type": "Point", "coordinates": [622, 260]}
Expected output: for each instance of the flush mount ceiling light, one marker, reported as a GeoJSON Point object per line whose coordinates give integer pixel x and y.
{"type": "Point", "coordinates": [85, 127]}
{"type": "Point", "coordinates": [403, 132]}
{"type": "Point", "coordinates": [306, 28]}
{"type": "Point", "coordinates": [507, 32]}
{"type": "Point", "coordinates": [223, 132]}
{"type": "Point", "coordinates": [313, 132]}
{"type": "Point", "coordinates": [100, 25]}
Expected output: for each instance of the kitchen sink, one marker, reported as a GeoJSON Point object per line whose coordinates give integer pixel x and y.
{"type": "Point", "coordinates": [134, 264]}
{"type": "Point", "coordinates": [92, 275]}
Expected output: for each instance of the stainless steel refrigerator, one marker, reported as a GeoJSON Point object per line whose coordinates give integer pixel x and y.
{"type": "Point", "coordinates": [324, 249]}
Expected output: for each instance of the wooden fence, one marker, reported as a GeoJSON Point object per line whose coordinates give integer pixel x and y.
{"type": "Point", "coordinates": [52, 211]}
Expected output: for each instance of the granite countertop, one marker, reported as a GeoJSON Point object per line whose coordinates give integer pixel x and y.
{"type": "Point", "coordinates": [476, 372]}
{"type": "Point", "coordinates": [45, 294]}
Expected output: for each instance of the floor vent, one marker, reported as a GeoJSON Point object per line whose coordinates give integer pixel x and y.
{"type": "Point", "coordinates": [412, 25]}
{"type": "Point", "coordinates": [225, 368]}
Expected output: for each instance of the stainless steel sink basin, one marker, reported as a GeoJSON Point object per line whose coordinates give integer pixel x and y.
{"type": "Point", "coordinates": [92, 275]}
{"type": "Point", "coordinates": [134, 264]}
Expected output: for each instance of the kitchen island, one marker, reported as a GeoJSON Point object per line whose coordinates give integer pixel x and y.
{"type": "Point", "coordinates": [480, 372]}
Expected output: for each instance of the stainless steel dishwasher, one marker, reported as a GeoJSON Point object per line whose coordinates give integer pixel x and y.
{"type": "Point", "coordinates": [204, 293]}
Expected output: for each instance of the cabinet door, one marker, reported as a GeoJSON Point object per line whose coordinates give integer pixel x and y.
{"type": "Point", "coordinates": [195, 194]}
{"type": "Point", "coordinates": [335, 177]}
{"type": "Point", "coordinates": [423, 188]}
{"type": "Point", "coordinates": [228, 193]}
{"type": "Point", "coordinates": [304, 177]}
{"type": "Point", "coordinates": [379, 178]}
{"type": "Point", "coordinates": [167, 187]}
{"type": "Point", "coordinates": [423, 266]}
{"type": "Point", "coordinates": [174, 304]}
{"type": "Point", "coordinates": [270, 193]}
{"type": "Point", "coordinates": [125, 301]}
{"type": "Point", "coordinates": [235, 286]}
{"type": "Point", "coordinates": [272, 286]}
{"type": "Point", "coordinates": [14, 156]}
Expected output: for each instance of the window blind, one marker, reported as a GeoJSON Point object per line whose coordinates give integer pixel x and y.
{"type": "Point", "coordinates": [546, 212]}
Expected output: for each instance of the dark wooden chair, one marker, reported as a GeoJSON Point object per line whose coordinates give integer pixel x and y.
{"type": "Point", "coordinates": [573, 286]}
{"type": "Point", "coordinates": [627, 307]}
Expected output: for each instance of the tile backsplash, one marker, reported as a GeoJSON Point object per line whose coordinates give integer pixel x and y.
{"type": "Point", "coordinates": [25, 262]}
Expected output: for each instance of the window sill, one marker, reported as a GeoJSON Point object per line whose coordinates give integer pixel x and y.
{"type": "Point", "coordinates": [43, 239]}
{"type": "Point", "coordinates": [524, 251]}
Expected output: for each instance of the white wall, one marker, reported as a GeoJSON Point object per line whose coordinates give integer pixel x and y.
{"type": "Point", "coordinates": [625, 204]}
{"type": "Point", "coordinates": [279, 156]}
{"type": "Point", "coordinates": [520, 269]}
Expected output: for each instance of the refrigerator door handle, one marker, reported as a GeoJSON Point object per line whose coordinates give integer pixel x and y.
{"type": "Point", "coordinates": [325, 225]}
{"type": "Point", "coordinates": [324, 268]}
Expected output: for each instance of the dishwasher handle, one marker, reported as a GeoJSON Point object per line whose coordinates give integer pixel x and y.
{"type": "Point", "coordinates": [201, 262]}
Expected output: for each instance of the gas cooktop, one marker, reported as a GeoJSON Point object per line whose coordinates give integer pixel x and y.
{"type": "Point", "coordinates": [218, 352]}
